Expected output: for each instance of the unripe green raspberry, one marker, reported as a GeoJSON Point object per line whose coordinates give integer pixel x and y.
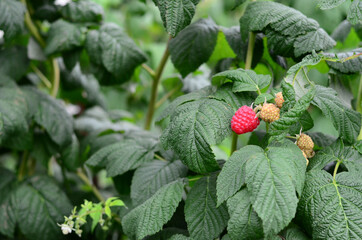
{"type": "Point", "coordinates": [305, 142]}
{"type": "Point", "coordinates": [279, 100]}
{"type": "Point", "coordinates": [269, 113]}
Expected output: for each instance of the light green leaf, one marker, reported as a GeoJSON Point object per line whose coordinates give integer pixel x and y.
{"type": "Point", "coordinates": [63, 36]}
{"type": "Point", "coordinates": [222, 49]}
{"type": "Point", "coordinates": [345, 120]}
{"type": "Point", "coordinates": [51, 115]}
{"type": "Point", "coordinates": [40, 205]}
{"type": "Point", "coordinates": [273, 178]}
{"type": "Point", "coordinates": [232, 175]}
{"type": "Point", "coordinates": [288, 119]}
{"type": "Point", "coordinates": [328, 4]}
{"type": "Point", "coordinates": [82, 11]}
{"type": "Point", "coordinates": [194, 127]}
{"type": "Point", "coordinates": [118, 53]}
{"type": "Point", "coordinates": [330, 208]}
{"type": "Point", "coordinates": [7, 210]}
{"type": "Point", "coordinates": [149, 217]}
{"type": "Point", "coordinates": [264, 97]}
{"type": "Point", "coordinates": [96, 215]}
{"type": "Point", "coordinates": [194, 45]}
{"type": "Point", "coordinates": [11, 18]}
{"type": "Point", "coordinates": [349, 66]}
{"type": "Point", "coordinates": [151, 176]}
{"type": "Point", "coordinates": [244, 223]}
{"type": "Point", "coordinates": [124, 155]}
{"type": "Point", "coordinates": [117, 202]}
{"type": "Point", "coordinates": [354, 15]}
{"type": "Point", "coordinates": [176, 14]}
{"type": "Point", "coordinates": [205, 220]}
{"type": "Point", "coordinates": [309, 60]}
{"type": "Point", "coordinates": [179, 237]}
{"type": "Point", "coordinates": [243, 80]}
{"type": "Point", "coordinates": [300, 82]}
{"type": "Point", "coordinates": [291, 32]}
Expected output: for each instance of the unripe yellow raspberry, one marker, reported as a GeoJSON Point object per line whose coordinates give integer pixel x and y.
{"type": "Point", "coordinates": [309, 153]}
{"type": "Point", "coordinates": [269, 113]}
{"type": "Point", "coordinates": [305, 142]}
{"type": "Point", "coordinates": [279, 100]}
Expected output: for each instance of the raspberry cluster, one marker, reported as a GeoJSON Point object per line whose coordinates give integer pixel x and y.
{"type": "Point", "coordinates": [269, 113]}
{"type": "Point", "coordinates": [306, 144]}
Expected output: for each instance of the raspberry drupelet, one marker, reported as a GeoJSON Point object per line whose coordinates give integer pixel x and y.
{"type": "Point", "coordinates": [244, 120]}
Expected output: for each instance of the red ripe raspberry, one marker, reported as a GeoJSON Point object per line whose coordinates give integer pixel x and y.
{"type": "Point", "coordinates": [244, 120]}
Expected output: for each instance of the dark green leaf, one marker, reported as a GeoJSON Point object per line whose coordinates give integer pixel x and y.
{"type": "Point", "coordinates": [205, 220]}
{"type": "Point", "coordinates": [345, 120]}
{"type": "Point", "coordinates": [63, 36]}
{"type": "Point", "coordinates": [294, 232]}
{"type": "Point", "coordinates": [309, 60]}
{"type": "Point", "coordinates": [176, 14]}
{"type": "Point", "coordinates": [244, 223]}
{"type": "Point", "coordinates": [273, 178]}
{"type": "Point", "coordinates": [7, 210]}
{"type": "Point", "coordinates": [305, 122]}
{"type": "Point", "coordinates": [194, 46]}
{"type": "Point", "coordinates": [263, 97]}
{"type": "Point", "coordinates": [349, 66]}
{"type": "Point", "coordinates": [40, 205]}
{"type": "Point", "coordinates": [222, 49]}
{"type": "Point", "coordinates": [51, 115]}
{"type": "Point", "coordinates": [354, 15]}
{"type": "Point", "coordinates": [331, 208]}
{"type": "Point", "coordinates": [232, 175]}
{"type": "Point", "coordinates": [179, 237]}
{"type": "Point", "coordinates": [14, 57]}
{"type": "Point", "coordinates": [151, 176]}
{"type": "Point", "coordinates": [243, 80]}
{"type": "Point", "coordinates": [112, 48]}
{"type": "Point", "coordinates": [82, 11]}
{"type": "Point", "coordinates": [291, 32]}
{"type": "Point", "coordinates": [321, 139]}
{"type": "Point", "coordinates": [124, 155]}
{"type": "Point", "coordinates": [11, 18]}
{"type": "Point", "coordinates": [148, 218]}
{"type": "Point", "coordinates": [236, 100]}
{"type": "Point", "coordinates": [194, 127]}
{"type": "Point", "coordinates": [70, 154]}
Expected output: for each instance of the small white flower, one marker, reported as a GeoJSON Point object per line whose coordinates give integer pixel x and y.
{"type": "Point", "coordinates": [61, 2]}
{"type": "Point", "coordinates": [79, 232]}
{"type": "Point", "coordinates": [66, 229]}
{"type": "Point", "coordinates": [1, 34]}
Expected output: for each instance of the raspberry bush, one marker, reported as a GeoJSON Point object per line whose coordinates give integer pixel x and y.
{"type": "Point", "coordinates": [180, 119]}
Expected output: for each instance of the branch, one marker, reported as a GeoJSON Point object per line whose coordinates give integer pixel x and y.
{"type": "Point", "coordinates": [82, 175]}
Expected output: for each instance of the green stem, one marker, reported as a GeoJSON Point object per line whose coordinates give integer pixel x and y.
{"type": "Point", "coordinates": [149, 70]}
{"type": "Point", "coordinates": [156, 80]}
{"type": "Point", "coordinates": [82, 175]}
{"type": "Point", "coordinates": [160, 158]}
{"type": "Point", "coordinates": [359, 95]}
{"type": "Point", "coordinates": [335, 171]}
{"type": "Point", "coordinates": [42, 77]}
{"type": "Point", "coordinates": [56, 77]}
{"type": "Point", "coordinates": [164, 98]}
{"type": "Point", "coordinates": [23, 165]}
{"type": "Point", "coordinates": [195, 178]}
{"type": "Point", "coordinates": [234, 143]}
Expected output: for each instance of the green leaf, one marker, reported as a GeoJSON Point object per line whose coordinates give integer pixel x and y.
{"type": "Point", "coordinates": [51, 115]}
{"type": "Point", "coordinates": [232, 175]}
{"type": "Point", "coordinates": [349, 66]}
{"type": "Point", "coordinates": [63, 36]}
{"type": "Point", "coordinates": [82, 11]}
{"type": "Point", "coordinates": [14, 111]}
{"type": "Point", "coordinates": [332, 208]}
{"type": "Point", "coordinates": [151, 176]}
{"type": "Point", "coordinates": [40, 205]}
{"type": "Point", "coordinates": [194, 127]}
{"type": "Point", "coordinates": [291, 32]}
{"type": "Point", "coordinates": [194, 45]}
{"type": "Point", "coordinates": [309, 60]}
{"type": "Point", "coordinates": [264, 97]}
{"type": "Point", "coordinates": [328, 4]}
{"type": "Point", "coordinates": [305, 122]}
{"type": "Point", "coordinates": [176, 14]}
{"type": "Point", "coordinates": [112, 48]}
{"type": "Point", "coordinates": [96, 215]}
{"type": "Point", "coordinates": [149, 217]}
{"type": "Point", "coordinates": [236, 100]}
{"type": "Point", "coordinates": [70, 156]}
{"type": "Point", "coordinates": [354, 15]}
{"type": "Point", "coordinates": [15, 56]}
{"type": "Point", "coordinates": [349, 156]}
{"type": "Point", "coordinates": [294, 232]}
{"type": "Point", "coordinates": [345, 120]}
{"type": "Point", "coordinates": [184, 99]}
{"type": "Point", "coordinates": [179, 237]}
{"type": "Point", "coordinates": [273, 178]}
{"type": "Point", "coordinates": [124, 155]}
{"type": "Point", "coordinates": [11, 18]}
{"type": "Point", "coordinates": [204, 219]}
{"type": "Point", "coordinates": [288, 119]}
{"type": "Point", "coordinates": [243, 80]}
{"type": "Point", "coordinates": [244, 223]}
{"type": "Point", "coordinates": [7, 210]}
